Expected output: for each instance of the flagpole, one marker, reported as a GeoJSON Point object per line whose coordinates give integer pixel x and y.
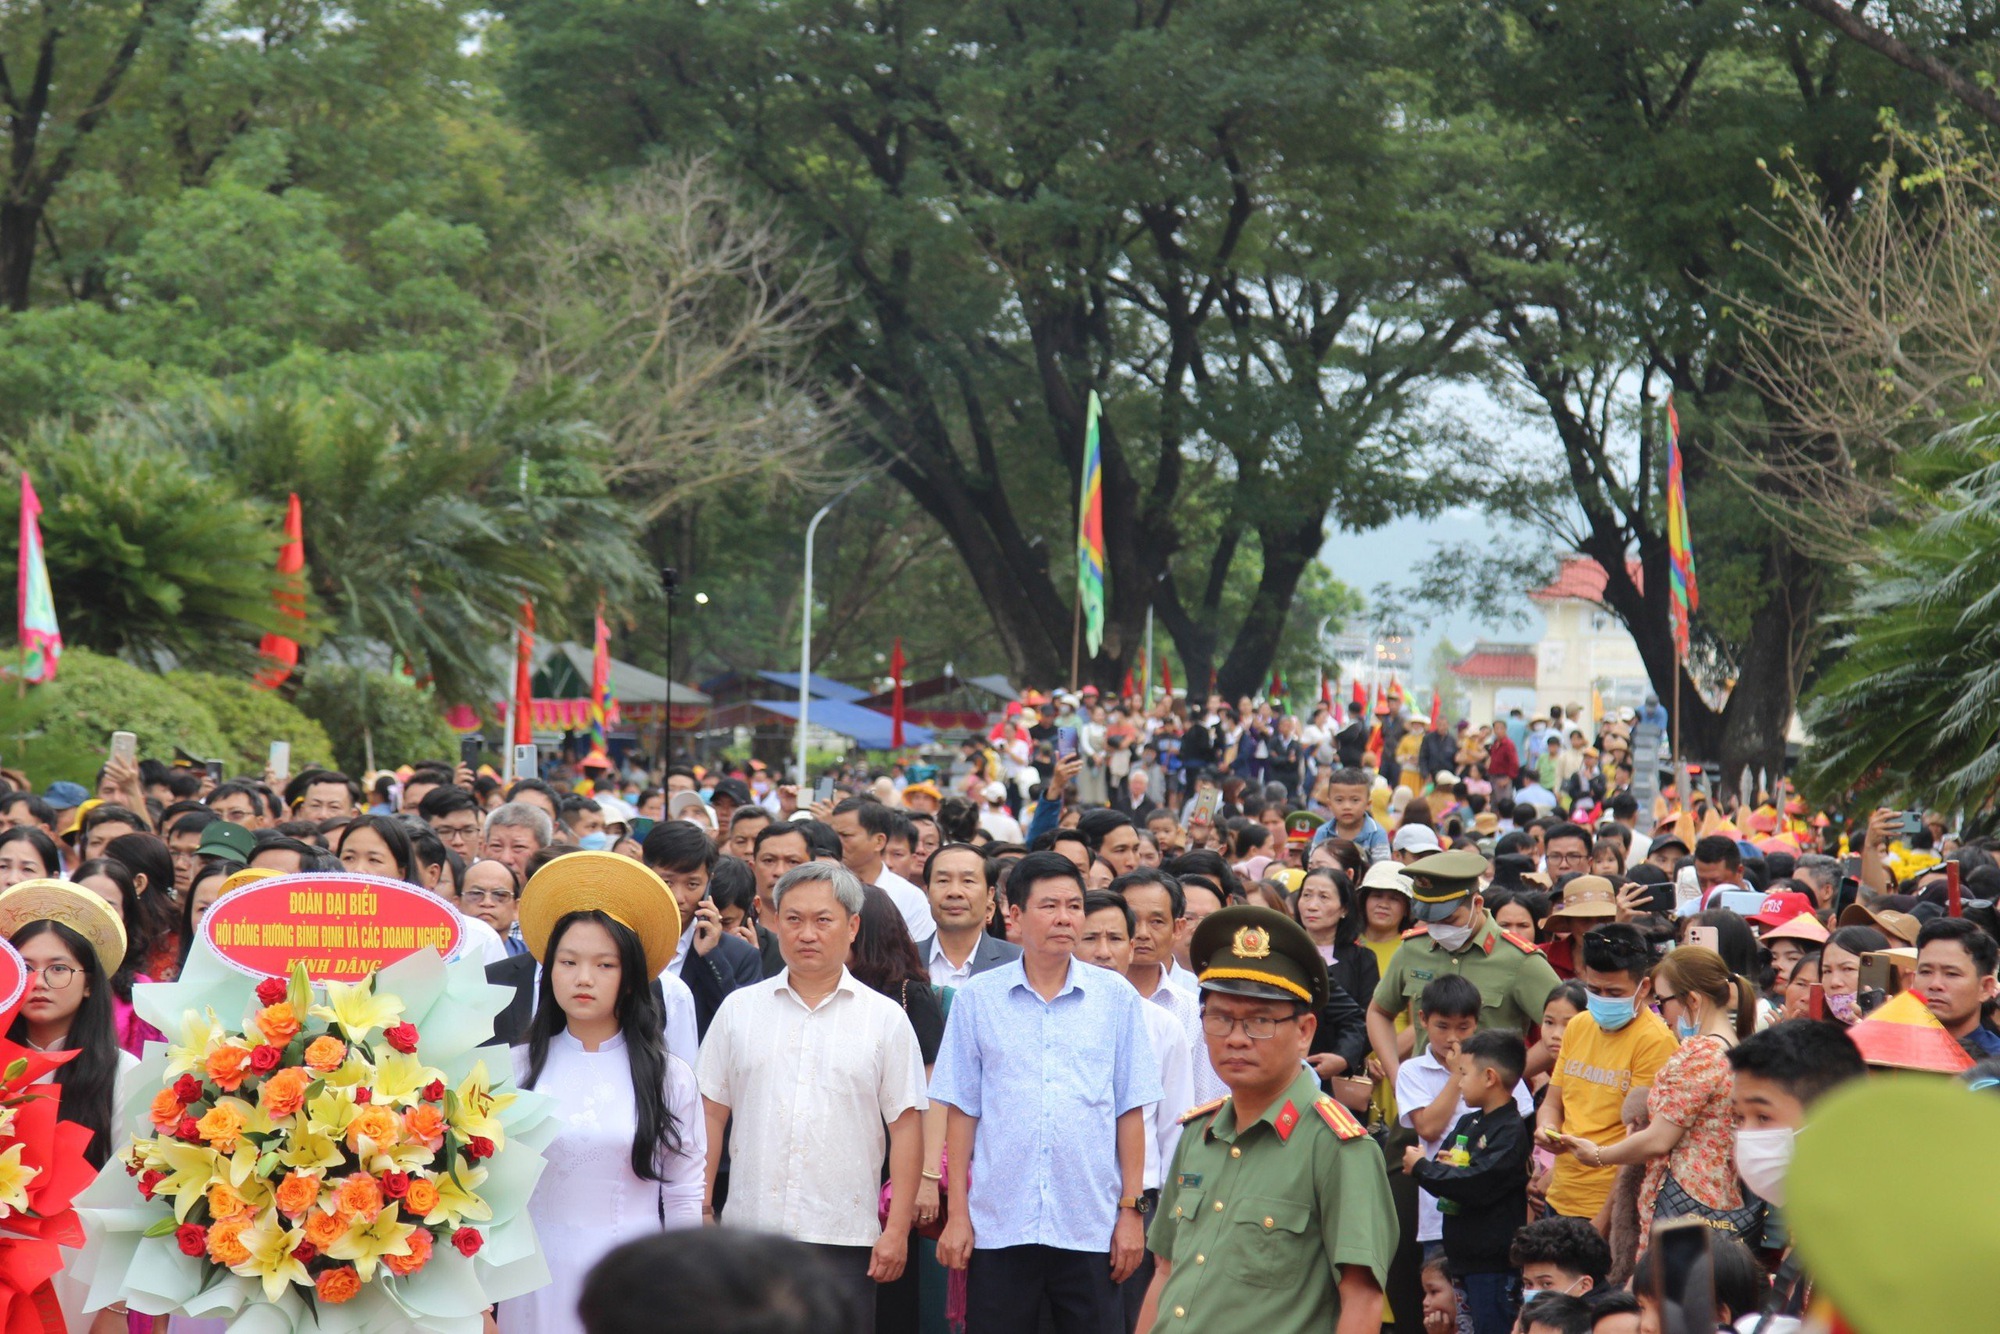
{"type": "Point", "coordinates": [1146, 666]}
{"type": "Point", "coordinates": [1076, 633]}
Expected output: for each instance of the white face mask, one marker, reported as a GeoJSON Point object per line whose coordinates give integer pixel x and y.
{"type": "Point", "coordinates": [1452, 938]}
{"type": "Point", "coordinates": [1762, 1156]}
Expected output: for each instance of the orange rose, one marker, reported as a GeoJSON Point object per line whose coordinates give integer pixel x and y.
{"type": "Point", "coordinates": [338, 1285]}
{"type": "Point", "coordinates": [326, 1053]}
{"type": "Point", "coordinates": [324, 1229]}
{"type": "Point", "coordinates": [225, 1240]}
{"type": "Point", "coordinates": [377, 1123]}
{"type": "Point", "coordinates": [419, 1256]}
{"type": "Point", "coordinates": [421, 1199]}
{"type": "Point", "coordinates": [359, 1196]}
{"type": "Point", "coordinates": [424, 1124]}
{"type": "Point", "coordinates": [228, 1067]}
{"type": "Point", "coordinates": [221, 1125]}
{"type": "Point", "coordinates": [224, 1201]}
{"type": "Point", "coordinates": [167, 1110]}
{"type": "Point", "coordinates": [297, 1193]}
{"type": "Point", "coordinates": [277, 1024]}
{"type": "Point", "coordinates": [284, 1092]}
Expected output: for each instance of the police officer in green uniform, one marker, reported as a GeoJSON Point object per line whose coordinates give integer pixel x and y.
{"type": "Point", "coordinates": [1275, 1216]}
{"type": "Point", "coordinates": [1455, 934]}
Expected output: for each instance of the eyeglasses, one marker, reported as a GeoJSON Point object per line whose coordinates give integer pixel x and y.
{"type": "Point", "coordinates": [1258, 1027]}
{"type": "Point", "coordinates": [485, 896]}
{"type": "Point", "coordinates": [56, 976]}
{"type": "Point", "coordinates": [454, 833]}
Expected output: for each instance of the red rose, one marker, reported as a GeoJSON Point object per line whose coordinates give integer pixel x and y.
{"type": "Point", "coordinates": [403, 1037]}
{"type": "Point", "coordinates": [468, 1241]}
{"type": "Point", "coordinates": [478, 1147]}
{"type": "Point", "coordinates": [363, 1093]}
{"type": "Point", "coordinates": [266, 1058]}
{"type": "Point", "coordinates": [395, 1185]}
{"type": "Point", "coordinates": [271, 990]}
{"type": "Point", "coordinates": [148, 1182]}
{"type": "Point", "coordinates": [434, 1091]}
{"type": "Point", "coordinates": [192, 1238]}
{"type": "Point", "coordinates": [187, 1090]}
{"type": "Point", "coordinates": [305, 1252]}
{"type": "Point", "coordinates": [188, 1130]}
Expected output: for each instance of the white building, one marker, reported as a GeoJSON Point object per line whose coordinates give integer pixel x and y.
{"type": "Point", "coordinates": [1583, 645]}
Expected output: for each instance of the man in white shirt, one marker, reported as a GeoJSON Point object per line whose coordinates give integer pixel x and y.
{"type": "Point", "coordinates": [864, 826]}
{"type": "Point", "coordinates": [995, 818]}
{"type": "Point", "coordinates": [820, 1074]}
{"type": "Point", "coordinates": [1157, 904]}
{"type": "Point", "coordinates": [960, 887]}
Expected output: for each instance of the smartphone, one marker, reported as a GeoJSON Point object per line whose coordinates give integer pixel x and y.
{"type": "Point", "coordinates": [1816, 1001]}
{"type": "Point", "coordinates": [1913, 821]}
{"type": "Point", "coordinates": [214, 768]}
{"type": "Point", "coordinates": [1065, 742]}
{"type": "Point", "coordinates": [1708, 937]}
{"type": "Point", "coordinates": [527, 761]}
{"type": "Point", "coordinates": [468, 750]}
{"type": "Point", "coordinates": [1881, 973]}
{"type": "Point", "coordinates": [823, 790]}
{"type": "Point", "coordinates": [280, 762]}
{"type": "Point", "coordinates": [125, 746]}
{"type": "Point", "coordinates": [1682, 1280]}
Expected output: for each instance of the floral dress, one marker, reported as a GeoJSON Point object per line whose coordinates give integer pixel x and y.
{"type": "Point", "coordinates": [1693, 1091]}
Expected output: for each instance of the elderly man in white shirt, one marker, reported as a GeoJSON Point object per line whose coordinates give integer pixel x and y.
{"type": "Point", "coordinates": [820, 1074]}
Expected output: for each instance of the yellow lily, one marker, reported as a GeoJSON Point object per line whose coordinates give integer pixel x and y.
{"type": "Point", "coordinates": [358, 1010]}
{"type": "Point", "coordinates": [189, 1169]}
{"type": "Point", "coordinates": [199, 1034]}
{"type": "Point", "coordinates": [366, 1243]}
{"type": "Point", "coordinates": [478, 1108]}
{"type": "Point", "coordinates": [400, 1079]}
{"type": "Point", "coordinates": [312, 1150]}
{"type": "Point", "coordinates": [330, 1112]}
{"type": "Point", "coordinates": [457, 1202]}
{"type": "Point", "coordinates": [14, 1179]}
{"type": "Point", "coordinates": [272, 1261]}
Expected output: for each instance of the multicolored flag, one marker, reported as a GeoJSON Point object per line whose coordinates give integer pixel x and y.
{"type": "Point", "coordinates": [524, 676]}
{"type": "Point", "coordinates": [600, 686]}
{"type": "Point", "coordinates": [896, 665]}
{"type": "Point", "coordinates": [281, 651]}
{"type": "Point", "coordinates": [41, 637]}
{"type": "Point", "coordinates": [1090, 535]}
{"type": "Point", "coordinates": [1680, 546]}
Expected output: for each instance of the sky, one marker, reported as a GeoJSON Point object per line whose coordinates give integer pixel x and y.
{"type": "Point", "coordinates": [1384, 555]}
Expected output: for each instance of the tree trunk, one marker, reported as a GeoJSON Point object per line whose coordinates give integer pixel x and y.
{"type": "Point", "coordinates": [20, 225]}
{"type": "Point", "coordinates": [1246, 670]}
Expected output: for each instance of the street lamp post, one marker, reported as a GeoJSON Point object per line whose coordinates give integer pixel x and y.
{"type": "Point", "coordinates": [670, 580]}
{"type": "Point", "coordinates": [806, 622]}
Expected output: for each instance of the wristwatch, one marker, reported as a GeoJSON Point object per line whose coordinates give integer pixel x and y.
{"type": "Point", "coordinates": [1128, 1202]}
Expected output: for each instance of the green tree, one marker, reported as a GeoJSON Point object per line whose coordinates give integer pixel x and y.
{"type": "Point", "coordinates": [251, 718]}
{"type": "Point", "coordinates": [94, 696]}
{"type": "Point", "coordinates": [377, 716]}
{"type": "Point", "coordinates": [1210, 213]}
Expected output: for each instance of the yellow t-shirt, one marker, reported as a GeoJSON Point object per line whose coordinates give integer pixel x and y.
{"type": "Point", "coordinates": [1595, 1072]}
{"type": "Point", "coordinates": [1385, 1089]}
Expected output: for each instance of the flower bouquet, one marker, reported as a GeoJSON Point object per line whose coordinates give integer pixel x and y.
{"type": "Point", "coordinates": [42, 1168]}
{"type": "Point", "coordinates": [340, 1160]}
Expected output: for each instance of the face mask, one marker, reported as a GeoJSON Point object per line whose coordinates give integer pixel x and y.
{"type": "Point", "coordinates": [1842, 1007]}
{"type": "Point", "coordinates": [1762, 1156]}
{"type": "Point", "coordinates": [594, 842]}
{"type": "Point", "coordinates": [1685, 1030]}
{"type": "Point", "coordinates": [1452, 938]}
{"type": "Point", "coordinates": [1532, 1295]}
{"type": "Point", "coordinates": [1612, 1012]}
{"type": "Point", "coordinates": [761, 787]}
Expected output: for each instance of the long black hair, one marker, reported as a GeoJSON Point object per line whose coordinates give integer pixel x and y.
{"type": "Point", "coordinates": [44, 846]}
{"type": "Point", "coordinates": [158, 917]}
{"type": "Point", "coordinates": [883, 956]}
{"type": "Point", "coordinates": [207, 870]}
{"type": "Point", "coordinates": [1349, 926]}
{"type": "Point", "coordinates": [392, 832]}
{"type": "Point", "coordinates": [640, 1018]}
{"type": "Point", "coordinates": [89, 1079]}
{"type": "Point", "coordinates": [137, 936]}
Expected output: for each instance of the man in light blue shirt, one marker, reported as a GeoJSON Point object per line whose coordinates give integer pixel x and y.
{"type": "Point", "coordinates": [1046, 1070]}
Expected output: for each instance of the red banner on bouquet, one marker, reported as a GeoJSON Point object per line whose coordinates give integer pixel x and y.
{"type": "Point", "coordinates": [342, 927]}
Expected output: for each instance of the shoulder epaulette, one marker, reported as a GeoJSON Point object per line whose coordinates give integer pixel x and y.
{"type": "Point", "coordinates": [1203, 1110]}
{"type": "Point", "coordinates": [1339, 1119]}
{"type": "Point", "coordinates": [1526, 947]}
{"type": "Point", "coordinates": [1420, 929]}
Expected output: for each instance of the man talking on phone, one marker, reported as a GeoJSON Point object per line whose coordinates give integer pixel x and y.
{"type": "Point", "coordinates": [710, 960]}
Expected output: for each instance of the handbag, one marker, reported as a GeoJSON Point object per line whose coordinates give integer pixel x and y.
{"type": "Point", "coordinates": [931, 1230]}
{"type": "Point", "coordinates": [1745, 1222]}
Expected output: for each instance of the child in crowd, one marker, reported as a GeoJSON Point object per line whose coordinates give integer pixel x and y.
{"type": "Point", "coordinates": [1562, 1256]}
{"type": "Point", "coordinates": [1558, 1315]}
{"type": "Point", "coordinates": [1483, 1177]}
{"type": "Point", "coordinates": [1440, 1298]}
{"type": "Point", "coordinates": [1428, 1085]}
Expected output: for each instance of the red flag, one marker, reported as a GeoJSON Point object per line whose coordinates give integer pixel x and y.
{"type": "Point", "coordinates": [896, 665]}
{"type": "Point", "coordinates": [1360, 695]}
{"type": "Point", "coordinates": [1326, 690]}
{"type": "Point", "coordinates": [282, 650]}
{"type": "Point", "coordinates": [1130, 689]}
{"type": "Point", "coordinates": [1437, 710]}
{"type": "Point", "coordinates": [1166, 675]}
{"type": "Point", "coordinates": [1277, 683]}
{"type": "Point", "coordinates": [524, 678]}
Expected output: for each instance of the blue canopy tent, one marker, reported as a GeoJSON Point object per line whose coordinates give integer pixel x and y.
{"type": "Point", "coordinates": [866, 728]}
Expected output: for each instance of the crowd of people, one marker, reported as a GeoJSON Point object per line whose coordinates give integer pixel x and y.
{"type": "Point", "coordinates": [1233, 1051]}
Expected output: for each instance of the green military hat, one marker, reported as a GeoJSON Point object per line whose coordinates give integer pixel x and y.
{"type": "Point", "coordinates": [1300, 826]}
{"type": "Point", "coordinates": [1257, 952]}
{"type": "Point", "coordinates": [1441, 881]}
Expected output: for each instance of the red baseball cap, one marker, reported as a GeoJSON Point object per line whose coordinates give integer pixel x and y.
{"type": "Point", "coordinates": [1781, 907]}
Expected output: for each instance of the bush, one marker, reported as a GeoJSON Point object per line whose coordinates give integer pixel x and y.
{"type": "Point", "coordinates": [251, 719]}
{"type": "Point", "coordinates": [72, 719]}
{"type": "Point", "coordinates": [401, 718]}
